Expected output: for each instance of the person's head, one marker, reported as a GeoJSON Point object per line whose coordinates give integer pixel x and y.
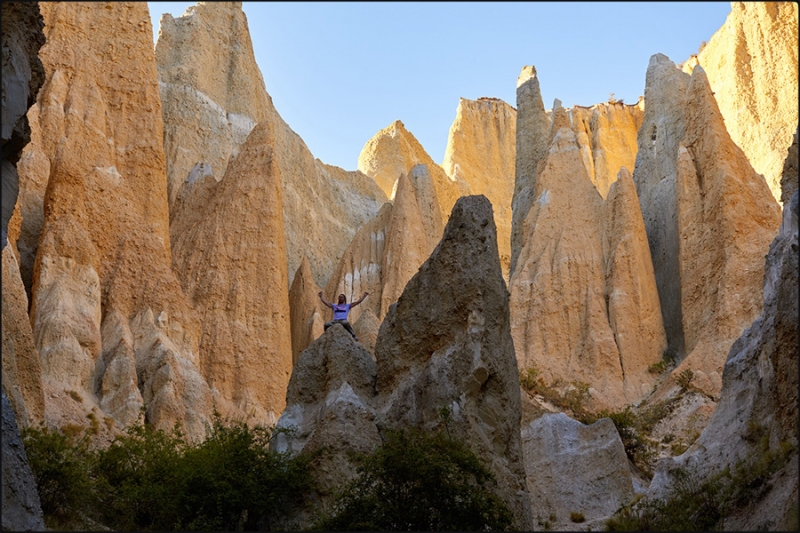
{"type": "Point", "coordinates": [342, 299]}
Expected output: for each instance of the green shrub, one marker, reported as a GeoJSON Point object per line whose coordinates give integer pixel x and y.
{"type": "Point", "coordinates": [697, 503]}
{"type": "Point", "coordinates": [419, 481]}
{"type": "Point", "coordinates": [61, 465]}
{"type": "Point", "coordinates": [685, 379]}
{"type": "Point", "coordinates": [153, 480]}
{"type": "Point", "coordinates": [576, 517]}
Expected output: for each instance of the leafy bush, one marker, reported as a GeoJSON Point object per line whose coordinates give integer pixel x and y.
{"type": "Point", "coordinates": [419, 481]}
{"type": "Point", "coordinates": [152, 480]}
{"type": "Point", "coordinates": [701, 504]}
{"type": "Point", "coordinates": [577, 517]}
{"type": "Point", "coordinates": [61, 464]}
{"type": "Point", "coordinates": [685, 379]}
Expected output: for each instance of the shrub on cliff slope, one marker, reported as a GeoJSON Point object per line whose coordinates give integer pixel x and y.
{"type": "Point", "coordinates": [420, 481]}
{"type": "Point", "coordinates": [152, 480]}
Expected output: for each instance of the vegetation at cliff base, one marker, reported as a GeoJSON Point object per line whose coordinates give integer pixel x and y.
{"type": "Point", "coordinates": [419, 481]}
{"type": "Point", "coordinates": [149, 480]}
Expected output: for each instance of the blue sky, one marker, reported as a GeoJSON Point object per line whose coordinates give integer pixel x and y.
{"type": "Point", "coordinates": [340, 72]}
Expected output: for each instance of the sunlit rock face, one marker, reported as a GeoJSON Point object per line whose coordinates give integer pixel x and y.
{"type": "Point", "coordinates": [389, 250]}
{"type": "Point", "coordinates": [584, 304]}
{"type": "Point", "coordinates": [211, 89]}
{"type": "Point", "coordinates": [757, 411]}
{"type": "Point", "coordinates": [393, 151]}
{"type": "Point", "coordinates": [709, 216]}
{"type": "Point", "coordinates": [213, 95]}
{"type": "Point", "coordinates": [751, 64]}
{"type": "Point", "coordinates": [481, 150]}
{"type": "Point", "coordinates": [575, 468]}
{"type": "Point", "coordinates": [230, 267]}
{"type": "Point", "coordinates": [606, 134]}
{"type": "Point", "coordinates": [109, 318]}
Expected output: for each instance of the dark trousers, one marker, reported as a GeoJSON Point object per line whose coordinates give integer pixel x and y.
{"type": "Point", "coordinates": [344, 323]}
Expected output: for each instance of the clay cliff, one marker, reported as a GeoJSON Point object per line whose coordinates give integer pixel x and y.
{"type": "Point", "coordinates": [22, 77]}
{"type": "Point", "coordinates": [213, 95]}
{"type": "Point", "coordinates": [709, 217]}
{"type": "Point", "coordinates": [757, 412]}
{"type": "Point", "coordinates": [110, 322]}
{"type": "Point", "coordinates": [384, 254]}
{"type": "Point", "coordinates": [751, 64]}
{"type": "Point", "coordinates": [229, 262]}
{"type": "Point", "coordinates": [450, 326]}
{"type": "Point", "coordinates": [394, 151]}
{"type": "Point", "coordinates": [481, 150]}
{"type": "Point", "coordinates": [584, 304]}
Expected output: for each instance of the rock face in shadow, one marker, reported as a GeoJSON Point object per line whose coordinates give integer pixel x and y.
{"type": "Point", "coordinates": [109, 318]}
{"type": "Point", "coordinates": [709, 218]}
{"type": "Point", "coordinates": [481, 150]}
{"type": "Point", "coordinates": [22, 510]}
{"type": "Point", "coordinates": [584, 304]}
{"type": "Point", "coordinates": [305, 310]}
{"type": "Point", "coordinates": [751, 64]}
{"type": "Point", "coordinates": [330, 402]}
{"type": "Point", "coordinates": [532, 131]}
{"type": "Point", "coordinates": [575, 468]}
{"type": "Point", "coordinates": [758, 406]}
{"type": "Point", "coordinates": [446, 344]}
{"type": "Point", "coordinates": [213, 95]}
{"type": "Point", "coordinates": [22, 76]}
{"type": "Point", "coordinates": [229, 263]}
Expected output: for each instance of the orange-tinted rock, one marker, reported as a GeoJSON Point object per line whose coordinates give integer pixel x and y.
{"type": "Point", "coordinates": [481, 150]}
{"type": "Point", "coordinates": [105, 239]}
{"type": "Point", "coordinates": [751, 64]}
{"type": "Point", "coordinates": [393, 151]}
{"type": "Point", "coordinates": [305, 310]}
{"type": "Point", "coordinates": [230, 262]}
{"type": "Point", "coordinates": [727, 217]}
{"type": "Point", "coordinates": [22, 373]}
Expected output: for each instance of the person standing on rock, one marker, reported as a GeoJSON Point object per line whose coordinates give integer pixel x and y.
{"type": "Point", "coordinates": [340, 312]}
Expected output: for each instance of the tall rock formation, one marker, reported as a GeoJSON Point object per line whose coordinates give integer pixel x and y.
{"type": "Point", "coordinates": [305, 310]}
{"type": "Point", "coordinates": [758, 404]}
{"type": "Point", "coordinates": [109, 319]}
{"type": "Point", "coordinates": [212, 92]}
{"type": "Point", "coordinates": [230, 262]}
{"type": "Point", "coordinates": [481, 150]}
{"type": "Point", "coordinates": [213, 95]}
{"type": "Point", "coordinates": [752, 66]}
{"type": "Point", "coordinates": [447, 344]}
{"type": "Point", "coordinates": [606, 135]}
{"type": "Point", "coordinates": [393, 151]}
{"type": "Point", "coordinates": [584, 304]}
{"type": "Point", "coordinates": [389, 250]}
{"type": "Point", "coordinates": [22, 77]}
{"type": "Point", "coordinates": [532, 130]}
{"type": "Point", "coordinates": [709, 218]}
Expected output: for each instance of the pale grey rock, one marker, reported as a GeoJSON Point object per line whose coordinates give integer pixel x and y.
{"type": "Point", "coordinates": [447, 343]}
{"type": "Point", "coordinates": [575, 468]}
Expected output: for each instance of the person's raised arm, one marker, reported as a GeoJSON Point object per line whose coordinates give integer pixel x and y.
{"type": "Point", "coordinates": [359, 301]}
{"type": "Point", "coordinates": [324, 301]}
